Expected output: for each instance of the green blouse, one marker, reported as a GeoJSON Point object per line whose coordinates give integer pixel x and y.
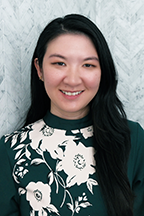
{"type": "Point", "coordinates": [48, 168]}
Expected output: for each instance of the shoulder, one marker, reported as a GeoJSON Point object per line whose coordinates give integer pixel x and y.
{"type": "Point", "coordinates": [19, 139]}
{"type": "Point", "coordinates": [137, 144]}
{"type": "Point", "coordinates": [137, 137]}
{"type": "Point", "coordinates": [136, 157]}
{"type": "Point", "coordinates": [22, 133]}
{"type": "Point", "coordinates": [14, 137]}
{"type": "Point", "coordinates": [134, 125]}
{"type": "Point", "coordinates": [136, 131]}
{"type": "Point", "coordinates": [13, 146]}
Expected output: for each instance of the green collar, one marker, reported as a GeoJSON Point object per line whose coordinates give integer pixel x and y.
{"type": "Point", "coordinates": [60, 123]}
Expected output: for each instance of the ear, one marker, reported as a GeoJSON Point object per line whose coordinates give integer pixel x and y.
{"type": "Point", "coordinates": [38, 68]}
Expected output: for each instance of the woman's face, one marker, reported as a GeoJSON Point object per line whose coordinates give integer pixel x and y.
{"type": "Point", "coordinates": [71, 74]}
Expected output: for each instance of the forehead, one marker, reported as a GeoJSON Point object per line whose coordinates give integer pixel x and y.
{"type": "Point", "coordinates": [69, 41]}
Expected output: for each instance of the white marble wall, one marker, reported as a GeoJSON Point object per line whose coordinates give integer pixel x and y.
{"type": "Point", "coordinates": [122, 23]}
{"type": "Point", "coordinates": [21, 21]}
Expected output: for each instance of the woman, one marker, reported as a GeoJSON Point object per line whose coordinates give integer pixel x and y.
{"type": "Point", "coordinates": [77, 154]}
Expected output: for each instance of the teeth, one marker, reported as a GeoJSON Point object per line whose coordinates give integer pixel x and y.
{"type": "Point", "coordinates": [71, 93]}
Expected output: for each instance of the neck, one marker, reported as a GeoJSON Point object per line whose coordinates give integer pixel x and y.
{"type": "Point", "coordinates": [70, 115]}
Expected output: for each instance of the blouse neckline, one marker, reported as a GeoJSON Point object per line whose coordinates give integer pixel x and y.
{"type": "Point", "coordinates": [66, 124]}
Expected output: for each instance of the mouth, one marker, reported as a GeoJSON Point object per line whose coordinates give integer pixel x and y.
{"type": "Point", "coordinates": [71, 93]}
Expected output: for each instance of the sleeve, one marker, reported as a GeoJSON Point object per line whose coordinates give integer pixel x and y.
{"type": "Point", "coordinates": [138, 184]}
{"type": "Point", "coordinates": [8, 192]}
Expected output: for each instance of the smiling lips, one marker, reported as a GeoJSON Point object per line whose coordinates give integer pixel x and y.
{"type": "Point", "coordinates": [71, 93]}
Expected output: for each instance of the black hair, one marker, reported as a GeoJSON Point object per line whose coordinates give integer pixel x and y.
{"type": "Point", "coordinates": [111, 132]}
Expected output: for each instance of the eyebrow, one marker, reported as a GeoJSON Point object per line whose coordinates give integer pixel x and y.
{"type": "Point", "coordinates": [57, 55]}
{"type": "Point", "coordinates": [91, 58]}
{"type": "Point", "coordinates": [86, 59]}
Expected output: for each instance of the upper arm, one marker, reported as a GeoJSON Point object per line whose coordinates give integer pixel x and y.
{"type": "Point", "coordinates": [137, 169]}
{"type": "Point", "coordinates": [8, 191]}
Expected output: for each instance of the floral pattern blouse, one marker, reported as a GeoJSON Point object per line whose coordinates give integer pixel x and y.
{"type": "Point", "coordinates": [49, 168]}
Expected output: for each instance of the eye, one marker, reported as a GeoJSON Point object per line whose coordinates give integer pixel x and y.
{"type": "Point", "coordinates": [59, 63]}
{"type": "Point", "coordinates": [89, 65]}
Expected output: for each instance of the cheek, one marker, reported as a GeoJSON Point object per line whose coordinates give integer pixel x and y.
{"type": "Point", "coordinates": [94, 82]}
{"type": "Point", "coordinates": [50, 79]}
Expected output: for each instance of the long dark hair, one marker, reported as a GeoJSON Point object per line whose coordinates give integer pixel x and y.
{"type": "Point", "coordinates": [112, 136]}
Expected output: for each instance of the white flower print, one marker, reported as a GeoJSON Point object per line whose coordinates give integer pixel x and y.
{"type": "Point", "coordinates": [80, 202]}
{"type": "Point", "coordinates": [44, 138]}
{"type": "Point", "coordinates": [87, 132]}
{"type": "Point", "coordinates": [75, 131]}
{"type": "Point", "coordinates": [20, 171]}
{"type": "Point", "coordinates": [47, 131]}
{"type": "Point", "coordinates": [54, 143]}
{"type": "Point", "coordinates": [78, 162]}
{"type": "Point", "coordinates": [37, 133]}
{"type": "Point", "coordinates": [38, 194]}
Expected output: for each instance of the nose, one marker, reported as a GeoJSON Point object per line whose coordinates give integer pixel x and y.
{"type": "Point", "coordinates": [72, 77]}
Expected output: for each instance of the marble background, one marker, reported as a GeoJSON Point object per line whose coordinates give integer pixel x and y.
{"type": "Point", "coordinates": [21, 21]}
